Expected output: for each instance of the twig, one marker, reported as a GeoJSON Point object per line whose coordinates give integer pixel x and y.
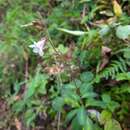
{"type": "Point", "coordinates": [59, 117]}
{"type": "Point", "coordinates": [51, 43]}
{"type": "Point", "coordinates": [26, 70]}
{"type": "Point", "coordinates": [83, 15]}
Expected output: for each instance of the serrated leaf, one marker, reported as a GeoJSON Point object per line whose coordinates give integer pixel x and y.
{"type": "Point", "coordinates": [58, 103]}
{"type": "Point", "coordinates": [86, 90]}
{"type": "Point", "coordinates": [87, 76]}
{"type": "Point", "coordinates": [36, 85]}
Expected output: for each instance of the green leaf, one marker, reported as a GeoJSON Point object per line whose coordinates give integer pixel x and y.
{"type": "Point", "coordinates": [61, 48]}
{"type": "Point", "coordinates": [81, 116]}
{"type": "Point", "coordinates": [71, 115]}
{"type": "Point", "coordinates": [123, 32]}
{"type": "Point", "coordinates": [106, 98]}
{"type": "Point", "coordinates": [123, 89]}
{"type": "Point", "coordinates": [96, 127]}
{"type": "Point", "coordinates": [58, 103]}
{"type": "Point", "coordinates": [75, 124]}
{"type": "Point", "coordinates": [29, 116]}
{"type": "Point", "coordinates": [109, 104]}
{"type": "Point", "coordinates": [123, 76]}
{"type": "Point", "coordinates": [89, 95]}
{"type": "Point", "coordinates": [86, 91]}
{"type": "Point", "coordinates": [112, 106]}
{"type": "Point", "coordinates": [76, 33]}
{"type": "Point", "coordinates": [87, 76]}
{"type": "Point", "coordinates": [18, 106]}
{"type": "Point", "coordinates": [36, 85]}
{"type": "Point", "coordinates": [89, 124]}
{"type": "Point", "coordinates": [95, 103]}
{"type": "Point", "coordinates": [105, 116]}
{"type": "Point", "coordinates": [30, 92]}
{"type": "Point", "coordinates": [112, 125]}
{"type": "Point", "coordinates": [126, 53]}
{"type": "Point", "coordinates": [70, 97]}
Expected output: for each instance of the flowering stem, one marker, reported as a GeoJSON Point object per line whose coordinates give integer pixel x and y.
{"type": "Point", "coordinates": [49, 38]}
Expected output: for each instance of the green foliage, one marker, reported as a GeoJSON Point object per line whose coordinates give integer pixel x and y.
{"type": "Point", "coordinates": [112, 125]}
{"type": "Point", "coordinates": [109, 122]}
{"type": "Point", "coordinates": [109, 104]}
{"type": "Point", "coordinates": [58, 103]}
{"type": "Point", "coordinates": [105, 116]}
{"type": "Point", "coordinates": [66, 79]}
{"type": "Point", "coordinates": [116, 67]}
{"type": "Point", "coordinates": [36, 87]}
{"type": "Point", "coordinates": [123, 76]}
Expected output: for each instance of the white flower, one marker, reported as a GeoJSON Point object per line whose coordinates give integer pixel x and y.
{"type": "Point", "coordinates": [38, 46]}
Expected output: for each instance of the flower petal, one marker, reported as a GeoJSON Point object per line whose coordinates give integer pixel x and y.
{"type": "Point", "coordinates": [35, 50]}
{"type": "Point", "coordinates": [40, 53]}
{"type": "Point", "coordinates": [38, 46]}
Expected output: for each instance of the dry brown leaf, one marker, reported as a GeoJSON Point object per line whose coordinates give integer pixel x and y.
{"type": "Point", "coordinates": [37, 24]}
{"type": "Point", "coordinates": [105, 52]}
{"type": "Point", "coordinates": [16, 98]}
{"type": "Point", "coordinates": [55, 69]}
{"type": "Point", "coordinates": [69, 55]}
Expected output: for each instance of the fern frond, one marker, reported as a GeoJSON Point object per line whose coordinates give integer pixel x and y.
{"type": "Point", "coordinates": [116, 67]}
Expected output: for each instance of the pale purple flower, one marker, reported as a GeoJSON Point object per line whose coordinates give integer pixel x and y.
{"type": "Point", "coordinates": [38, 46]}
